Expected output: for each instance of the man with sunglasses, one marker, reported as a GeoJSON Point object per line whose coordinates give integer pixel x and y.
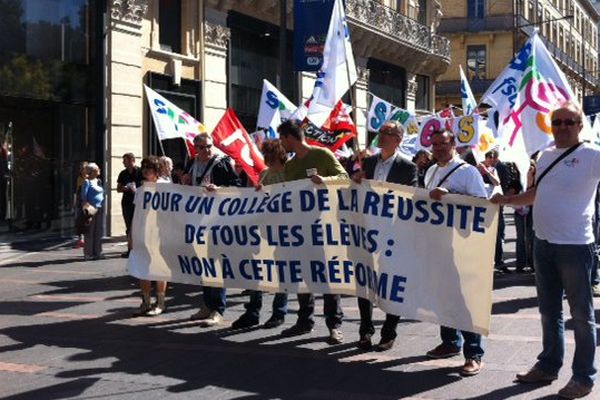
{"type": "Point", "coordinates": [387, 166]}
{"type": "Point", "coordinates": [563, 206]}
{"type": "Point", "coordinates": [451, 174]}
{"type": "Point", "coordinates": [210, 170]}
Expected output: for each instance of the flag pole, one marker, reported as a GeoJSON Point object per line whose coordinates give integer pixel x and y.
{"type": "Point", "coordinates": [355, 143]}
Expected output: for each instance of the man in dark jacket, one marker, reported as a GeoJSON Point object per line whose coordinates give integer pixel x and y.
{"type": "Point", "coordinates": [210, 171]}
{"type": "Point", "coordinates": [387, 166]}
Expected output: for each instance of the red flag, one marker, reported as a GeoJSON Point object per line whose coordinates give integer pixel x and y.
{"type": "Point", "coordinates": [232, 139]}
{"type": "Point", "coordinates": [337, 130]}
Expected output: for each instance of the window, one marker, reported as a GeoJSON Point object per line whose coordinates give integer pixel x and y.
{"type": "Point", "coordinates": [476, 62]}
{"type": "Point", "coordinates": [422, 95]}
{"type": "Point", "coordinates": [422, 17]}
{"type": "Point", "coordinates": [169, 25]}
{"type": "Point", "coordinates": [530, 12]}
{"type": "Point", "coordinates": [476, 8]}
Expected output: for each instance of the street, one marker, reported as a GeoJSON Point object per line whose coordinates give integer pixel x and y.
{"type": "Point", "coordinates": [67, 331]}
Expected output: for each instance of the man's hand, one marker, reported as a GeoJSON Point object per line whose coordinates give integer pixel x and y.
{"type": "Point", "coordinates": [258, 187]}
{"type": "Point", "coordinates": [437, 193]}
{"type": "Point", "coordinates": [499, 199]}
{"type": "Point", "coordinates": [186, 179]}
{"type": "Point", "coordinates": [358, 176]}
{"type": "Point", "coordinates": [211, 187]}
{"type": "Point", "coordinates": [317, 179]}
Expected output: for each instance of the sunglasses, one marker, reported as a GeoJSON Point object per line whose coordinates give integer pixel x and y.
{"type": "Point", "coordinates": [199, 146]}
{"type": "Point", "coordinates": [567, 122]}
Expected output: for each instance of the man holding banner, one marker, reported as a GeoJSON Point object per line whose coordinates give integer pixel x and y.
{"type": "Point", "coordinates": [563, 208]}
{"type": "Point", "coordinates": [453, 175]}
{"type": "Point", "coordinates": [210, 171]}
{"type": "Point", "coordinates": [387, 166]}
{"type": "Point", "coordinates": [318, 164]}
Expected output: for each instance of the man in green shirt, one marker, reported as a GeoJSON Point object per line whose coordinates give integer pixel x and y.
{"type": "Point", "coordinates": [319, 165]}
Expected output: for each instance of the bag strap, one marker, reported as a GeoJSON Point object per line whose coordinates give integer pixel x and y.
{"type": "Point", "coordinates": [449, 173]}
{"type": "Point", "coordinates": [553, 164]}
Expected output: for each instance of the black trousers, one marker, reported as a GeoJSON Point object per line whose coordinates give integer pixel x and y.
{"type": "Point", "coordinates": [388, 331]}
{"type": "Point", "coordinates": [331, 308]}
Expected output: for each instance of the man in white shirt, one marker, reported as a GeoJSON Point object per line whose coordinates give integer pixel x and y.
{"type": "Point", "coordinates": [453, 175]}
{"type": "Point", "coordinates": [563, 207]}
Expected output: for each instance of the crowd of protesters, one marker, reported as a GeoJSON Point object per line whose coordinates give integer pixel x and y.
{"type": "Point", "coordinates": [560, 251]}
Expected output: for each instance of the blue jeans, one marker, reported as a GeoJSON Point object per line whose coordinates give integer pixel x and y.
{"type": "Point", "coordinates": [524, 228]}
{"type": "Point", "coordinates": [255, 304]}
{"type": "Point", "coordinates": [215, 298]}
{"type": "Point", "coordinates": [559, 269]}
{"type": "Point", "coordinates": [472, 347]}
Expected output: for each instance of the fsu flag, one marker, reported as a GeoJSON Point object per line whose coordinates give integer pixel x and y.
{"type": "Point", "coordinates": [231, 138]}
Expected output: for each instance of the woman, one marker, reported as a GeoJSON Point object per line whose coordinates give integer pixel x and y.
{"type": "Point", "coordinates": [151, 170]}
{"type": "Point", "coordinates": [166, 168]}
{"type": "Point", "coordinates": [275, 157]}
{"type": "Point", "coordinates": [92, 198]}
{"type": "Point", "coordinates": [78, 203]}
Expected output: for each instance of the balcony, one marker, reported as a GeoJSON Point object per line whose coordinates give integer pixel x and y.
{"type": "Point", "coordinates": [382, 32]}
{"type": "Point", "coordinates": [492, 23]}
{"type": "Point", "coordinates": [452, 88]}
{"type": "Point", "coordinates": [568, 63]}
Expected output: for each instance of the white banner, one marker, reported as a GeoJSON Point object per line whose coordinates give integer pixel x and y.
{"type": "Point", "coordinates": [412, 256]}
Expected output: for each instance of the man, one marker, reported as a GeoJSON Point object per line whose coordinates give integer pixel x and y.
{"type": "Point", "coordinates": [453, 175]}
{"type": "Point", "coordinates": [505, 178]}
{"type": "Point", "coordinates": [318, 164]}
{"type": "Point", "coordinates": [388, 166]}
{"type": "Point", "coordinates": [210, 171]}
{"type": "Point", "coordinates": [563, 208]}
{"type": "Point", "coordinates": [128, 180]}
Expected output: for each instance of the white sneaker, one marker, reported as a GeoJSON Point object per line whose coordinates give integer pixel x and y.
{"type": "Point", "coordinates": [203, 313]}
{"type": "Point", "coordinates": [214, 319]}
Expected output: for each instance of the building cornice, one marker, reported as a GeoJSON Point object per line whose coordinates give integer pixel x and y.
{"type": "Point", "coordinates": [129, 11]}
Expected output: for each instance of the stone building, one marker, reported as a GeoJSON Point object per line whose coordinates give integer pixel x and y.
{"type": "Point", "coordinates": [86, 62]}
{"type": "Point", "coordinates": [485, 34]}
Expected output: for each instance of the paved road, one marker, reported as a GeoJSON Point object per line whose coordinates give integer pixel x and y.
{"type": "Point", "coordinates": [66, 331]}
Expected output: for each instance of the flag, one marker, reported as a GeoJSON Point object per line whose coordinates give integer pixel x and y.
{"type": "Point", "coordinates": [337, 130]}
{"type": "Point", "coordinates": [528, 89]}
{"type": "Point", "coordinates": [338, 72]}
{"type": "Point", "coordinates": [596, 130]}
{"type": "Point", "coordinates": [274, 109]}
{"type": "Point", "coordinates": [468, 100]}
{"type": "Point", "coordinates": [230, 137]}
{"type": "Point", "coordinates": [172, 122]}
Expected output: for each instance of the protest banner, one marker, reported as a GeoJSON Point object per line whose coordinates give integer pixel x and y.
{"type": "Point", "coordinates": [413, 256]}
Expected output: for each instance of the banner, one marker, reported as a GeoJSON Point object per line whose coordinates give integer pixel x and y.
{"type": "Point", "coordinates": [338, 72]}
{"type": "Point", "coordinates": [379, 113]}
{"type": "Point", "coordinates": [231, 138]}
{"type": "Point", "coordinates": [172, 122]}
{"type": "Point", "coordinates": [466, 129]}
{"type": "Point", "coordinates": [411, 255]}
{"type": "Point", "coordinates": [274, 108]}
{"type": "Point", "coordinates": [311, 20]}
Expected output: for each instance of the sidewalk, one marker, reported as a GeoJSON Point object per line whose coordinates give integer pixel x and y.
{"type": "Point", "coordinates": [66, 332]}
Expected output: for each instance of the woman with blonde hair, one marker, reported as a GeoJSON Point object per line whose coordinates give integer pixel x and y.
{"type": "Point", "coordinates": [92, 198]}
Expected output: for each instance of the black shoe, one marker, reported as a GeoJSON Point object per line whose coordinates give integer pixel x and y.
{"type": "Point", "coordinates": [244, 322]}
{"type": "Point", "coordinates": [384, 345]}
{"type": "Point", "coordinates": [364, 343]}
{"type": "Point", "coordinates": [273, 322]}
{"type": "Point", "coordinates": [296, 330]}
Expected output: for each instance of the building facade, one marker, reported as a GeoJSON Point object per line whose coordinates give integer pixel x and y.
{"type": "Point", "coordinates": [485, 35]}
{"type": "Point", "coordinates": [72, 75]}
{"type": "Point", "coordinates": [222, 51]}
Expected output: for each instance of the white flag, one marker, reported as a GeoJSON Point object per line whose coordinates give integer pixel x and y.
{"type": "Point", "coordinates": [338, 72]}
{"type": "Point", "coordinates": [170, 121]}
{"type": "Point", "coordinates": [379, 113]}
{"type": "Point", "coordinates": [274, 109]}
{"type": "Point", "coordinates": [468, 100]}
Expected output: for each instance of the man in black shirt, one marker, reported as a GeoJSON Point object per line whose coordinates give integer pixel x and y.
{"type": "Point", "coordinates": [129, 179]}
